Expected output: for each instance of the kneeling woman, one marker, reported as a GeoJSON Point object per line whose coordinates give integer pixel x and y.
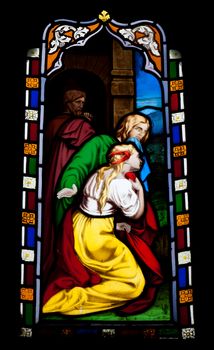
{"type": "Point", "coordinates": [121, 279]}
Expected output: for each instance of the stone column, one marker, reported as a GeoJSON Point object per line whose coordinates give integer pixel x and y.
{"type": "Point", "coordinates": [122, 84]}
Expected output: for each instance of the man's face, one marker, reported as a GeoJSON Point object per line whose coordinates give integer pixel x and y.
{"type": "Point", "coordinates": [76, 106]}
{"type": "Point", "coordinates": [74, 101]}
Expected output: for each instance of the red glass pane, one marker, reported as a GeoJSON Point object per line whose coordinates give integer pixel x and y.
{"type": "Point", "coordinates": [31, 200]}
{"type": "Point", "coordinates": [33, 132]}
{"type": "Point", "coordinates": [35, 67]}
{"type": "Point", "coordinates": [29, 275]}
{"type": "Point", "coordinates": [184, 315]}
{"type": "Point", "coordinates": [180, 238]}
{"type": "Point", "coordinates": [174, 102]}
{"type": "Point", "coordinates": [177, 168]}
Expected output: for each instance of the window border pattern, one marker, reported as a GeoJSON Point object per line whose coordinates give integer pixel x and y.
{"type": "Point", "coordinates": [167, 65]}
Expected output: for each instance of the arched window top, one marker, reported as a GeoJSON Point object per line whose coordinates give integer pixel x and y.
{"type": "Point", "coordinates": [143, 35]}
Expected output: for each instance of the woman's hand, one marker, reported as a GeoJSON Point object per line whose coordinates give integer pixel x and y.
{"type": "Point", "coordinates": [136, 185]}
{"type": "Point", "coordinates": [67, 192]}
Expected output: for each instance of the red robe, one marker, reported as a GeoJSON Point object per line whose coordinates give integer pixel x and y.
{"type": "Point", "coordinates": [72, 133]}
{"type": "Point", "coordinates": [139, 240]}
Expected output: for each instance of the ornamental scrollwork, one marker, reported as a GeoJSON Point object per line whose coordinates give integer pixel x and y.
{"type": "Point", "coordinates": [140, 35]}
{"type": "Point", "coordinates": [147, 41]}
{"type": "Point", "coordinates": [61, 39]}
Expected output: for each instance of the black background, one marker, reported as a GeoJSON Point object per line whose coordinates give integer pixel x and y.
{"type": "Point", "coordinates": [187, 29]}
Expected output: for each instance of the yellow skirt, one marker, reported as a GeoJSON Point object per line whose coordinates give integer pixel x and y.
{"type": "Point", "coordinates": [98, 248]}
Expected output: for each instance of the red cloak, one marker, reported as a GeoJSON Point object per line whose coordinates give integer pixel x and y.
{"type": "Point", "coordinates": [67, 140]}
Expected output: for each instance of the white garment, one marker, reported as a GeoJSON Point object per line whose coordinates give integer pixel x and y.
{"type": "Point", "coordinates": [120, 195]}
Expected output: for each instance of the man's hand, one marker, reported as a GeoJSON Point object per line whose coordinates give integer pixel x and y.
{"type": "Point", "coordinates": [88, 116]}
{"type": "Point", "coordinates": [67, 192]}
{"type": "Point", "coordinates": [123, 226]}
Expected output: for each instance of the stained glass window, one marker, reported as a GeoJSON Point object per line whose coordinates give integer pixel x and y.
{"type": "Point", "coordinates": [124, 67]}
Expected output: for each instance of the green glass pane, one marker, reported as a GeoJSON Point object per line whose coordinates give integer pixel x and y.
{"type": "Point", "coordinates": [179, 202]}
{"type": "Point", "coordinates": [28, 314]}
{"type": "Point", "coordinates": [32, 166]}
{"type": "Point", "coordinates": [173, 70]}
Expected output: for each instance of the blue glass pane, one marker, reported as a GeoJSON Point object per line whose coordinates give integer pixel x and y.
{"type": "Point", "coordinates": [176, 134]}
{"type": "Point", "coordinates": [34, 98]}
{"type": "Point", "coordinates": [30, 236]}
{"type": "Point", "coordinates": [182, 277]}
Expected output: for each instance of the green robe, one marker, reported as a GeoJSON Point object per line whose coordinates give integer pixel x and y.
{"type": "Point", "coordinates": [85, 161]}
